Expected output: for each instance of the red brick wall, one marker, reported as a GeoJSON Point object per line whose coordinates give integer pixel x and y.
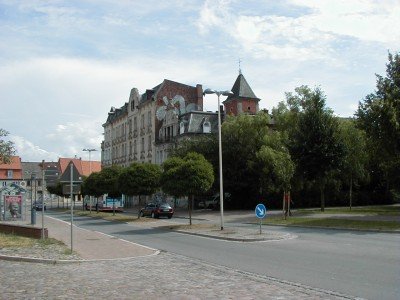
{"type": "Point", "coordinates": [170, 89]}
{"type": "Point", "coordinates": [231, 106]}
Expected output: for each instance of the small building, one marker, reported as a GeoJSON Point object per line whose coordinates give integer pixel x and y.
{"type": "Point", "coordinates": [243, 99]}
{"type": "Point", "coordinates": [11, 173]}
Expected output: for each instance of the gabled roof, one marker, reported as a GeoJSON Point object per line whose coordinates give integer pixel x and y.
{"type": "Point", "coordinates": [242, 89]}
{"type": "Point", "coordinates": [82, 166]}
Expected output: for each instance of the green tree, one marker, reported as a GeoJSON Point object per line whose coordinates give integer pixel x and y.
{"type": "Point", "coordinates": [379, 116]}
{"type": "Point", "coordinates": [139, 179]}
{"type": "Point", "coordinates": [276, 163]}
{"type": "Point", "coordinates": [107, 181]}
{"type": "Point", "coordinates": [91, 186]}
{"type": "Point", "coordinates": [316, 148]}
{"type": "Point", "coordinates": [242, 138]}
{"type": "Point", "coordinates": [355, 155]}
{"type": "Point", "coordinates": [187, 176]}
{"type": "Point", "coordinates": [6, 148]}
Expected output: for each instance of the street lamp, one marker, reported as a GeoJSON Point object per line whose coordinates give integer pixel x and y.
{"type": "Point", "coordinates": [221, 187]}
{"type": "Point", "coordinates": [33, 213]}
{"type": "Point", "coordinates": [90, 161]}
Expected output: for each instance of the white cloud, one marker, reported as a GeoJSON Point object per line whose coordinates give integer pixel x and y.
{"type": "Point", "coordinates": [30, 152]}
{"type": "Point", "coordinates": [310, 36]}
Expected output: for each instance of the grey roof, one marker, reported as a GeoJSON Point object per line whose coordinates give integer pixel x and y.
{"type": "Point", "coordinates": [241, 89]}
{"type": "Point", "coordinates": [31, 167]}
{"type": "Point", "coordinates": [194, 121]}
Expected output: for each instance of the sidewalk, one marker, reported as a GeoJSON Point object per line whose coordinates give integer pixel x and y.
{"type": "Point", "coordinates": [89, 244]}
{"type": "Point", "coordinates": [92, 244]}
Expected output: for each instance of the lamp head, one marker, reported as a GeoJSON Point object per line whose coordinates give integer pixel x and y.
{"type": "Point", "coordinates": [209, 91]}
{"type": "Point", "coordinates": [226, 93]}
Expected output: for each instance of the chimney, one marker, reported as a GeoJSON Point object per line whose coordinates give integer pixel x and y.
{"type": "Point", "coordinates": [199, 91]}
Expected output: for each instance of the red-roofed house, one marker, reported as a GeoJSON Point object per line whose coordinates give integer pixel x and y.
{"type": "Point", "coordinates": [85, 168]}
{"type": "Point", "coordinates": [11, 173]}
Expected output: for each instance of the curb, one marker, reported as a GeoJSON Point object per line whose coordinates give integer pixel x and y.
{"type": "Point", "coordinates": [68, 261]}
{"type": "Point", "coordinates": [244, 240]}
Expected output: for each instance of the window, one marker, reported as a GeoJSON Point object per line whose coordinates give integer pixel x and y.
{"type": "Point", "coordinates": [135, 124]}
{"type": "Point", "coordinates": [133, 105]}
{"type": "Point", "coordinates": [4, 183]}
{"type": "Point", "coordinates": [149, 119]}
{"type": "Point", "coordinates": [142, 122]}
{"type": "Point", "coordinates": [9, 174]}
{"type": "Point", "coordinates": [149, 143]}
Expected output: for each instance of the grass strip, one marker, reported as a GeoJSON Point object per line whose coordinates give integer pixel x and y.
{"type": "Point", "coordinates": [119, 217]}
{"type": "Point", "coordinates": [382, 210]}
{"type": "Point", "coordinates": [335, 223]}
{"type": "Point", "coordinates": [15, 241]}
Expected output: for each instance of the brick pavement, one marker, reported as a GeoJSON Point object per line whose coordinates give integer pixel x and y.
{"type": "Point", "coordinates": [164, 276]}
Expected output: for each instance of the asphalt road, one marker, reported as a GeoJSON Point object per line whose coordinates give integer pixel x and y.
{"type": "Point", "coordinates": [361, 264]}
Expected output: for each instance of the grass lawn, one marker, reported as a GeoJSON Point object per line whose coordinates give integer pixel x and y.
{"type": "Point", "coordinates": [382, 210]}
{"type": "Point", "coordinates": [15, 241]}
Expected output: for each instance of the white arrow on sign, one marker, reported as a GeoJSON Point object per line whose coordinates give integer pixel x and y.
{"type": "Point", "coordinates": [261, 211]}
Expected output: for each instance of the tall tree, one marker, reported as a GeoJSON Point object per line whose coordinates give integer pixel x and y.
{"type": "Point", "coordinates": [242, 138]}
{"type": "Point", "coordinates": [139, 179]}
{"type": "Point", "coordinates": [6, 148]}
{"type": "Point", "coordinates": [316, 148]}
{"type": "Point", "coordinates": [276, 163]}
{"type": "Point", "coordinates": [355, 155]}
{"type": "Point", "coordinates": [187, 176]}
{"type": "Point", "coordinates": [379, 115]}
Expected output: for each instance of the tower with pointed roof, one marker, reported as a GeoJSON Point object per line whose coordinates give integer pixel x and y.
{"type": "Point", "coordinates": [243, 99]}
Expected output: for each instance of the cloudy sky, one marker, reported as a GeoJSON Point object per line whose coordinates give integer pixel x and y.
{"type": "Point", "coordinates": [63, 64]}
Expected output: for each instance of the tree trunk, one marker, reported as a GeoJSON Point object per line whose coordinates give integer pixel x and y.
{"type": "Point", "coordinates": [190, 200]}
{"type": "Point", "coordinates": [322, 187]}
{"type": "Point", "coordinates": [351, 191]}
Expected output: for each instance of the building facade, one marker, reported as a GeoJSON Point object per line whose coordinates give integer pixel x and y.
{"type": "Point", "coordinates": [144, 129]}
{"type": "Point", "coordinates": [149, 126]}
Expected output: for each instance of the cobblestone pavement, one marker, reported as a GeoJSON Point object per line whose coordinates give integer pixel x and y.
{"type": "Point", "coordinates": [163, 276]}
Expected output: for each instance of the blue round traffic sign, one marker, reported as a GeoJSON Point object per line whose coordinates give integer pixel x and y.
{"type": "Point", "coordinates": [261, 211]}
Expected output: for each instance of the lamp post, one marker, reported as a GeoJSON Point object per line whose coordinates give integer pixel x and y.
{"type": "Point", "coordinates": [43, 189]}
{"type": "Point", "coordinates": [90, 161]}
{"type": "Point", "coordinates": [33, 212]}
{"type": "Point", "coordinates": [221, 186]}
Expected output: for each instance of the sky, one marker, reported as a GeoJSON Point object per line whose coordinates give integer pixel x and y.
{"type": "Point", "coordinates": [64, 64]}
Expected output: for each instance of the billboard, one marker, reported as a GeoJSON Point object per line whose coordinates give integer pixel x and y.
{"type": "Point", "coordinates": [12, 207]}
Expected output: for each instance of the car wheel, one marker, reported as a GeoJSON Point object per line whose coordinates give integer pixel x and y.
{"type": "Point", "coordinates": [169, 217]}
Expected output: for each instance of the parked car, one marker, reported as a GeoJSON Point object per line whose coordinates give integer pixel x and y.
{"type": "Point", "coordinates": [157, 210]}
{"type": "Point", "coordinates": [38, 205]}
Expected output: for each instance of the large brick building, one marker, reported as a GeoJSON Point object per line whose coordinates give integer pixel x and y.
{"type": "Point", "coordinates": [148, 126]}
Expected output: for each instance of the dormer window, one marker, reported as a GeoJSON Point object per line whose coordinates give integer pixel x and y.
{"type": "Point", "coordinates": [206, 127]}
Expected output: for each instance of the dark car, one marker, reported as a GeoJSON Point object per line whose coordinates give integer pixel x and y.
{"type": "Point", "coordinates": [157, 210]}
{"type": "Point", "coordinates": [38, 205]}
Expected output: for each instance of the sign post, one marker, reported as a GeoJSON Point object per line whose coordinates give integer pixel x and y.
{"type": "Point", "coordinates": [261, 212]}
{"type": "Point", "coordinates": [71, 176]}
